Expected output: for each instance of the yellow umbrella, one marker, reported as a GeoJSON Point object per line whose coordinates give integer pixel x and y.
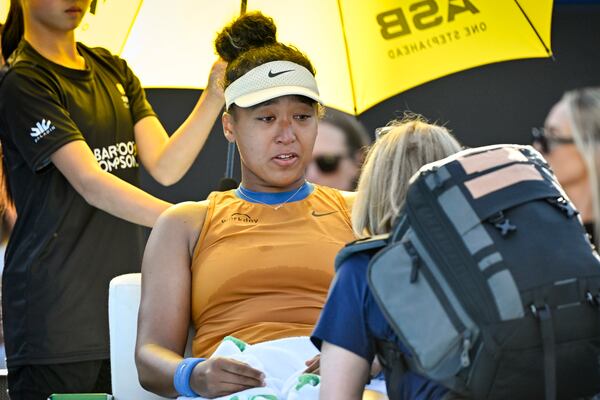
{"type": "Point", "coordinates": [365, 51]}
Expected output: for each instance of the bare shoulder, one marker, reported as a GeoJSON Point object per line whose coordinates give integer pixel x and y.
{"type": "Point", "coordinates": [188, 213]}
{"type": "Point", "coordinates": [182, 222]}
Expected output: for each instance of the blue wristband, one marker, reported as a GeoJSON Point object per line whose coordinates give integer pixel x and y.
{"type": "Point", "coordinates": [181, 379]}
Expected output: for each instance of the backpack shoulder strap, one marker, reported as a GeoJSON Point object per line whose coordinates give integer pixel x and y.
{"type": "Point", "coordinates": [394, 366]}
{"type": "Point", "coordinates": [370, 244]}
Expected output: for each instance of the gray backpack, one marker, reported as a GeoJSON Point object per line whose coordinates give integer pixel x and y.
{"type": "Point", "coordinates": [490, 280]}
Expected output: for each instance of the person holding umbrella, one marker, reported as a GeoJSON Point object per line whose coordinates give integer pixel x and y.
{"type": "Point", "coordinates": [74, 123]}
{"type": "Point", "coordinates": [254, 262]}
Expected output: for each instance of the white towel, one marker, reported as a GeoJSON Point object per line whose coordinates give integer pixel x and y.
{"type": "Point", "coordinates": [282, 362]}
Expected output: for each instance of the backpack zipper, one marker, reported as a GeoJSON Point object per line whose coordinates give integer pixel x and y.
{"type": "Point", "coordinates": [458, 344]}
{"type": "Point", "coordinates": [465, 361]}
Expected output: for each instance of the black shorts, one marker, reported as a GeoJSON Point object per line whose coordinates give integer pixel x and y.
{"type": "Point", "coordinates": [37, 382]}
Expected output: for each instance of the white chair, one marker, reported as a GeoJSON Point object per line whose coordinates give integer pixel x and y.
{"type": "Point", "coordinates": [123, 304]}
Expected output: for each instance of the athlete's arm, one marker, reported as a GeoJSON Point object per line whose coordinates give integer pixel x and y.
{"type": "Point", "coordinates": [343, 373]}
{"type": "Point", "coordinates": [168, 159]}
{"type": "Point", "coordinates": [164, 315]}
{"type": "Point", "coordinates": [103, 190]}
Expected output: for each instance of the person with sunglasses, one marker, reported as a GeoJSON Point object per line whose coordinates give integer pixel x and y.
{"type": "Point", "coordinates": [339, 151]}
{"type": "Point", "coordinates": [570, 142]}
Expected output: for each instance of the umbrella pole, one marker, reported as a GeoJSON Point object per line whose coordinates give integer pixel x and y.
{"type": "Point", "coordinates": [230, 160]}
{"type": "Point", "coordinates": [227, 182]}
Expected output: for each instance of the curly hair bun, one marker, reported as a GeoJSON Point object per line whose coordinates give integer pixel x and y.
{"type": "Point", "coordinates": [249, 31]}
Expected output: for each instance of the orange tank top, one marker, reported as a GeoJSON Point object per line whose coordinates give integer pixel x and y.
{"type": "Point", "coordinates": [261, 274]}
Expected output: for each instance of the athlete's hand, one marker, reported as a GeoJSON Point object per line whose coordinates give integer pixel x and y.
{"type": "Point", "coordinates": [222, 376]}
{"type": "Point", "coordinates": [313, 365]}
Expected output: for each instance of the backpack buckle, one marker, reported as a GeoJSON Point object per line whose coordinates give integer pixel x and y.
{"type": "Point", "coordinates": [502, 223]}
{"type": "Point", "coordinates": [563, 205]}
{"type": "Point", "coordinates": [593, 300]}
{"type": "Point", "coordinates": [534, 310]}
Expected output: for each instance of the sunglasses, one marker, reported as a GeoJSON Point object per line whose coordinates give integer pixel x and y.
{"type": "Point", "coordinates": [328, 163]}
{"type": "Point", "coordinates": [546, 140]}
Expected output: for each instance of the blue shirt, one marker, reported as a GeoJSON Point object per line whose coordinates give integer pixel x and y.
{"type": "Point", "coordinates": [352, 320]}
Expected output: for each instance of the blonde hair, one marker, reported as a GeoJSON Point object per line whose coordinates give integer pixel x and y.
{"type": "Point", "coordinates": [583, 106]}
{"type": "Point", "coordinates": [393, 159]}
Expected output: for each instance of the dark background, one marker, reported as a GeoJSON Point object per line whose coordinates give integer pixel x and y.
{"type": "Point", "coordinates": [497, 103]}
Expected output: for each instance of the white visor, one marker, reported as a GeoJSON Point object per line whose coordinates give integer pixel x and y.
{"type": "Point", "coordinates": [271, 80]}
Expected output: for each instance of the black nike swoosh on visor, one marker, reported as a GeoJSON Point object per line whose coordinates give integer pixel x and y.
{"type": "Point", "coordinates": [274, 74]}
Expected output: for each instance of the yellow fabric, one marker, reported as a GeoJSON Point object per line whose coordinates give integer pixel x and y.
{"type": "Point", "coordinates": [262, 274]}
{"type": "Point", "coordinates": [364, 51]}
{"type": "Point", "coordinates": [403, 44]}
{"type": "Point", "coordinates": [540, 15]}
